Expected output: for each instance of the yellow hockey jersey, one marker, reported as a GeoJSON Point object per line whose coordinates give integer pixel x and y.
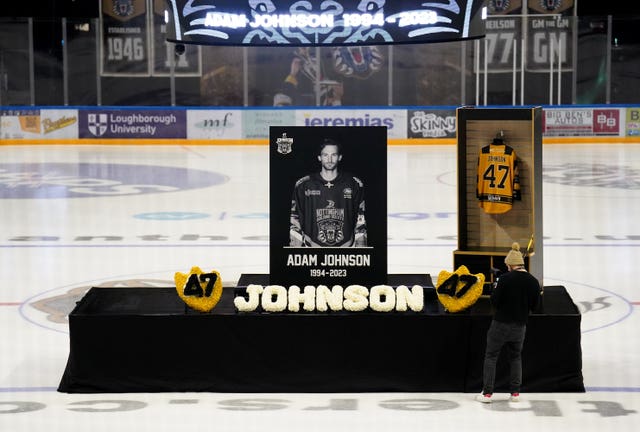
{"type": "Point", "coordinates": [498, 182]}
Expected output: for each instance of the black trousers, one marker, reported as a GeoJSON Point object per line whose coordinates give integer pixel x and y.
{"type": "Point", "coordinates": [511, 337]}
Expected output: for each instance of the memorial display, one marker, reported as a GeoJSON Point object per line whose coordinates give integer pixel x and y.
{"type": "Point", "coordinates": [327, 317]}
{"type": "Point", "coordinates": [353, 298]}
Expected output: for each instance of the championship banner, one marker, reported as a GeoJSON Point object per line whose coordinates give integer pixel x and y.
{"type": "Point", "coordinates": [550, 27]}
{"type": "Point", "coordinates": [503, 31]}
{"type": "Point", "coordinates": [328, 205]}
{"type": "Point", "coordinates": [187, 63]}
{"type": "Point", "coordinates": [124, 38]}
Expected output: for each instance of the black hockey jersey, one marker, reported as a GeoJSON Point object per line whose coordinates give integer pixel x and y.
{"type": "Point", "coordinates": [328, 213]}
{"type": "Point", "coordinates": [498, 181]}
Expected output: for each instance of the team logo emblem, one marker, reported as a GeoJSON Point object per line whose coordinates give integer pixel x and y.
{"type": "Point", "coordinates": [284, 144]}
{"type": "Point", "coordinates": [123, 8]}
{"type": "Point", "coordinates": [358, 62]}
{"type": "Point", "coordinates": [330, 232]}
{"type": "Point", "coordinates": [550, 5]}
{"type": "Point", "coordinates": [97, 124]}
{"type": "Point", "coordinates": [497, 6]}
{"type": "Point", "coordinates": [330, 222]}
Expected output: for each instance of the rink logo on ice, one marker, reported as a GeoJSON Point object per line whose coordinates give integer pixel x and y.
{"type": "Point", "coordinates": [133, 124]}
{"type": "Point", "coordinates": [171, 216]}
{"type": "Point", "coordinates": [592, 175]}
{"type": "Point", "coordinates": [70, 180]}
{"type": "Point", "coordinates": [51, 309]}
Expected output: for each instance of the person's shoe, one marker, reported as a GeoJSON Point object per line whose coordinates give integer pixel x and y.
{"type": "Point", "coordinates": [515, 397]}
{"type": "Point", "coordinates": [484, 398]}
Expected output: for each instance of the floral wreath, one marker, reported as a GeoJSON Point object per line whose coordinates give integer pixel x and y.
{"type": "Point", "coordinates": [200, 291]}
{"type": "Point", "coordinates": [459, 290]}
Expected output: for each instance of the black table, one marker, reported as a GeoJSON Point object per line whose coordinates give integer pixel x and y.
{"type": "Point", "coordinates": [146, 340]}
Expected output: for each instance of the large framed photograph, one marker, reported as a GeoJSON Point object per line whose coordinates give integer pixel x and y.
{"type": "Point", "coordinates": [328, 205]}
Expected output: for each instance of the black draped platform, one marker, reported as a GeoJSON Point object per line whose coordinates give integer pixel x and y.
{"type": "Point", "coordinates": [146, 340]}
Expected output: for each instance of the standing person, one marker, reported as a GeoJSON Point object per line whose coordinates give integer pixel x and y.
{"type": "Point", "coordinates": [516, 294]}
{"type": "Point", "coordinates": [327, 207]}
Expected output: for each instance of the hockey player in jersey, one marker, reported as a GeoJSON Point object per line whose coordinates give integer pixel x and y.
{"type": "Point", "coordinates": [327, 208]}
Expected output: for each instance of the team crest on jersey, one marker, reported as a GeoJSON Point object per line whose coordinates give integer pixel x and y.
{"type": "Point", "coordinates": [330, 232]}
{"type": "Point", "coordinates": [123, 8]}
{"type": "Point", "coordinates": [347, 193]}
{"type": "Point", "coordinates": [285, 144]}
{"type": "Point", "coordinates": [330, 222]}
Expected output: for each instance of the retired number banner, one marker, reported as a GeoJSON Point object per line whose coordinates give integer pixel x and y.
{"type": "Point", "coordinates": [125, 40]}
{"type": "Point", "coordinates": [550, 27]}
{"type": "Point", "coordinates": [186, 64]}
{"type": "Point", "coordinates": [504, 29]}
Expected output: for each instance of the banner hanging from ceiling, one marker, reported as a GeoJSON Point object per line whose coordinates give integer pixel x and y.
{"type": "Point", "coordinates": [124, 38]}
{"type": "Point", "coordinates": [320, 23]}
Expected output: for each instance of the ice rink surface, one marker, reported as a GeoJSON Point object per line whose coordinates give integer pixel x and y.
{"type": "Point", "coordinates": [73, 217]}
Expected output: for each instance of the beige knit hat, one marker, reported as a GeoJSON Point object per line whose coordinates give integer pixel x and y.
{"type": "Point", "coordinates": [514, 257]}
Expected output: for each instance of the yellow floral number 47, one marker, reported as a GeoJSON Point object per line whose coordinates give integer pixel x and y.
{"type": "Point", "coordinates": [459, 290]}
{"type": "Point", "coordinates": [200, 291]}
